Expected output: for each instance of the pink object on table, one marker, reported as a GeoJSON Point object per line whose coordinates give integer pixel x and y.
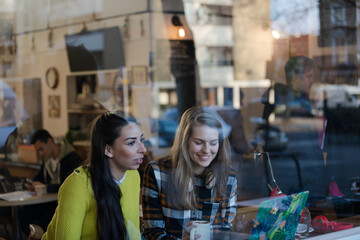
{"type": "Point", "coordinates": [334, 190]}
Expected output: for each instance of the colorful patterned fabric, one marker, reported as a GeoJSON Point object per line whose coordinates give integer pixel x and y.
{"type": "Point", "coordinates": [278, 218]}
{"type": "Point", "coordinates": [164, 221]}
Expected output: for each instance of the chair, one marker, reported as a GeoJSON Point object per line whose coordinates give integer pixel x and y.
{"type": "Point", "coordinates": [5, 186]}
{"type": "Point", "coordinates": [5, 218]}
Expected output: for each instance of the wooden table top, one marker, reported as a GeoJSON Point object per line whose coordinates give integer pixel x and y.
{"type": "Point", "coordinates": [48, 197]}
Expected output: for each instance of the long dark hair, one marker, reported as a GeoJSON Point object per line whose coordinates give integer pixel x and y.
{"type": "Point", "coordinates": [110, 220]}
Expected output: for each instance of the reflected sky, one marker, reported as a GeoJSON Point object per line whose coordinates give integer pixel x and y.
{"type": "Point", "coordinates": [295, 17]}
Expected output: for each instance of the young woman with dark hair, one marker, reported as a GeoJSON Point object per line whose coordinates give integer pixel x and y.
{"type": "Point", "coordinates": [101, 200]}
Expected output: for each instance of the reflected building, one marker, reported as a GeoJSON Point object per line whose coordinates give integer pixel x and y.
{"type": "Point", "coordinates": [337, 41]}
{"type": "Point", "coordinates": [154, 56]}
{"type": "Point", "coordinates": [212, 25]}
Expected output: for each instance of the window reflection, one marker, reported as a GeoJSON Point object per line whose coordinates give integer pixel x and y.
{"type": "Point", "coordinates": [229, 50]}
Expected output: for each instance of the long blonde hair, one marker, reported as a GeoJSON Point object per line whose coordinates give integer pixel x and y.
{"type": "Point", "coordinates": [183, 175]}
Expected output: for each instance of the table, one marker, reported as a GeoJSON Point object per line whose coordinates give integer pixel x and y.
{"type": "Point", "coordinates": [250, 208]}
{"type": "Point", "coordinates": [225, 235]}
{"type": "Point", "coordinates": [348, 234]}
{"type": "Point", "coordinates": [49, 197]}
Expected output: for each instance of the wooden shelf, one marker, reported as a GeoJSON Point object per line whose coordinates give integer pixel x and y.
{"type": "Point", "coordinates": [86, 111]}
{"type": "Point", "coordinates": [21, 169]}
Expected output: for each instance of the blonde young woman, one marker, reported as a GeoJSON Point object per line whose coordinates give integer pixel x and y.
{"type": "Point", "coordinates": [194, 182]}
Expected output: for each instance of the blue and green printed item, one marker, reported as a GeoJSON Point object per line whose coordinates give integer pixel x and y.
{"type": "Point", "coordinates": [278, 218]}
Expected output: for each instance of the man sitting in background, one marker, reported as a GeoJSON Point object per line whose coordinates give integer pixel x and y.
{"type": "Point", "coordinates": [58, 161]}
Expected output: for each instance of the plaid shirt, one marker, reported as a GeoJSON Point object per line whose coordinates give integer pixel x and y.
{"type": "Point", "coordinates": [163, 221]}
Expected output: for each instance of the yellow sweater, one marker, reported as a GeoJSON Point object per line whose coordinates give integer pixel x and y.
{"type": "Point", "coordinates": [76, 214]}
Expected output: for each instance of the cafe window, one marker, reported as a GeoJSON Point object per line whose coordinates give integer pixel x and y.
{"type": "Point", "coordinates": [296, 63]}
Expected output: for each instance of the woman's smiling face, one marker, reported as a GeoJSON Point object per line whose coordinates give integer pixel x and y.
{"type": "Point", "coordinates": [203, 146]}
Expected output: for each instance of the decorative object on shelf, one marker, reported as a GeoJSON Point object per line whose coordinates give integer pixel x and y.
{"type": "Point", "coordinates": [50, 39]}
{"type": "Point", "coordinates": [142, 30]}
{"type": "Point", "coordinates": [6, 66]}
{"type": "Point", "coordinates": [13, 45]}
{"type": "Point", "coordinates": [54, 106]}
{"type": "Point", "coordinates": [52, 77]}
{"type": "Point", "coordinates": [33, 42]}
{"type": "Point", "coordinates": [118, 91]}
{"type": "Point", "coordinates": [139, 75]}
{"type": "Point", "coordinates": [126, 28]}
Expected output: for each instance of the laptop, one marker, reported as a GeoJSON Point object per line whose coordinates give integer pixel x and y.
{"type": "Point", "coordinates": [278, 218]}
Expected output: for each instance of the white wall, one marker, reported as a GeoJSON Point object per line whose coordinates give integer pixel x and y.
{"type": "Point", "coordinates": [35, 19]}
{"type": "Point", "coordinates": [34, 56]}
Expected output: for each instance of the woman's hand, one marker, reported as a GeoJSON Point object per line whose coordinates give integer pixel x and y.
{"type": "Point", "coordinates": [243, 226]}
{"type": "Point", "coordinates": [188, 227]}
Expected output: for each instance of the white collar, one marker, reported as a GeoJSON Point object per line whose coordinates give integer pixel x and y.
{"type": "Point", "coordinates": [120, 181]}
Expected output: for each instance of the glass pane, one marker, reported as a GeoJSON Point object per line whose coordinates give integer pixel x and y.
{"type": "Point", "coordinates": [281, 76]}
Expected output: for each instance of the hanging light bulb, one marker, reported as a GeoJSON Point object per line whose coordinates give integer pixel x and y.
{"type": "Point", "coordinates": [175, 20]}
{"type": "Point", "coordinates": [181, 32]}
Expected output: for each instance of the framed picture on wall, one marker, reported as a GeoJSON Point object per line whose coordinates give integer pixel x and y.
{"type": "Point", "coordinates": [54, 106]}
{"type": "Point", "coordinates": [139, 75]}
